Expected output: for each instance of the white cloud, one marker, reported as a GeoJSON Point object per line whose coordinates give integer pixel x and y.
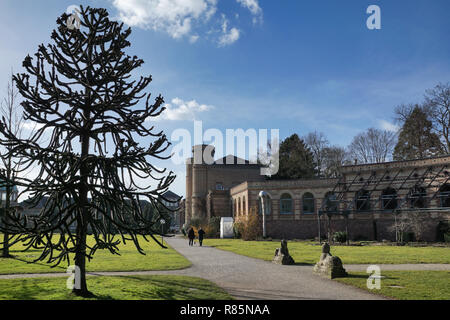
{"type": "Point", "coordinates": [194, 38]}
{"type": "Point", "coordinates": [179, 109]}
{"type": "Point", "coordinates": [228, 36]}
{"type": "Point", "coordinates": [182, 18]}
{"type": "Point", "coordinates": [31, 125]}
{"type": "Point", "coordinates": [172, 16]}
{"type": "Point", "coordinates": [386, 125]}
{"type": "Point", "coordinates": [254, 8]}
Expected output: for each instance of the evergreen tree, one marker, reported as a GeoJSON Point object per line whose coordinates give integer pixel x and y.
{"type": "Point", "coordinates": [80, 89]}
{"type": "Point", "coordinates": [417, 139]}
{"type": "Point", "coordinates": [296, 160]}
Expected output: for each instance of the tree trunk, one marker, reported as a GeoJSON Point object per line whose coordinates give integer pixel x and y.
{"type": "Point", "coordinates": [346, 231]}
{"type": "Point", "coordinates": [5, 249]}
{"type": "Point", "coordinates": [330, 236]}
{"type": "Point", "coordinates": [80, 287]}
{"type": "Point", "coordinates": [83, 217]}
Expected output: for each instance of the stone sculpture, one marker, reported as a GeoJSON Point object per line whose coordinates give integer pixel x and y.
{"type": "Point", "coordinates": [328, 265]}
{"type": "Point", "coordinates": [282, 255]}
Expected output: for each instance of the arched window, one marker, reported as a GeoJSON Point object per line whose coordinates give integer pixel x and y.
{"type": "Point", "coordinates": [417, 197]}
{"type": "Point", "coordinates": [308, 203]}
{"type": "Point", "coordinates": [244, 209]}
{"type": "Point", "coordinates": [444, 194]}
{"type": "Point", "coordinates": [267, 205]}
{"type": "Point", "coordinates": [362, 200]}
{"type": "Point", "coordinates": [331, 202]}
{"type": "Point", "coordinates": [389, 199]}
{"type": "Point", "coordinates": [286, 205]}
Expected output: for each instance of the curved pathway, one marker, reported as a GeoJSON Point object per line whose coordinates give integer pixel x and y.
{"type": "Point", "coordinates": [244, 277]}
{"type": "Point", "coordinates": [249, 278]}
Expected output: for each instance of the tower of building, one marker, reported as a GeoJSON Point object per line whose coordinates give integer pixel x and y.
{"type": "Point", "coordinates": [197, 181]}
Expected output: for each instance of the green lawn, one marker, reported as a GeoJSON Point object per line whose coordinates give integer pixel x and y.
{"type": "Point", "coordinates": [406, 285]}
{"type": "Point", "coordinates": [157, 287]}
{"type": "Point", "coordinates": [156, 258]}
{"type": "Point", "coordinates": [309, 252]}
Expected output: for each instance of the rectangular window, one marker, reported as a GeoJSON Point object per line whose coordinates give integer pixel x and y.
{"type": "Point", "coordinates": [286, 206]}
{"type": "Point", "coordinates": [219, 186]}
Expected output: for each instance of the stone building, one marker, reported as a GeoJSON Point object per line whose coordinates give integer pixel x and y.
{"type": "Point", "coordinates": [364, 201]}
{"type": "Point", "coordinates": [208, 185]}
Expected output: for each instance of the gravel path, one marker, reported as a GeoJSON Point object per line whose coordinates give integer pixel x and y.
{"type": "Point", "coordinates": [248, 278]}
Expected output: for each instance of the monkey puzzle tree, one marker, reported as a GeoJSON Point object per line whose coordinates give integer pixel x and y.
{"type": "Point", "coordinates": [79, 90]}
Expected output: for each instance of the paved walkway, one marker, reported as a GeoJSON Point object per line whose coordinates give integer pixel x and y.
{"type": "Point", "coordinates": [248, 278]}
{"type": "Point", "coordinates": [245, 278]}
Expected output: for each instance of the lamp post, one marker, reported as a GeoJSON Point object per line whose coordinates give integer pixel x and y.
{"type": "Point", "coordinates": [262, 195]}
{"type": "Point", "coordinates": [163, 222]}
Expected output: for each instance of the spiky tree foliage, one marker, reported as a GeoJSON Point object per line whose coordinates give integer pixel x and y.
{"type": "Point", "coordinates": [79, 89]}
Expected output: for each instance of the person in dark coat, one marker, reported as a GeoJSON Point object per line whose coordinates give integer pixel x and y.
{"type": "Point", "coordinates": [201, 233]}
{"type": "Point", "coordinates": [191, 236]}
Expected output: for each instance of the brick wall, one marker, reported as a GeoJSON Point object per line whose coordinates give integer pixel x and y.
{"type": "Point", "coordinates": [365, 225]}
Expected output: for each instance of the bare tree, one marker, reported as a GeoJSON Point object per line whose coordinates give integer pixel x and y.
{"type": "Point", "coordinates": [415, 221]}
{"type": "Point", "coordinates": [400, 226]}
{"type": "Point", "coordinates": [334, 158]}
{"type": "Point", "coordinates": [373, 146]}
{"type": "Point", "coordinates": [12, 115]}
{"type": "Point", "coordinates": [438, 102]}
{"type": "Point", "coordinates": [317, 142]}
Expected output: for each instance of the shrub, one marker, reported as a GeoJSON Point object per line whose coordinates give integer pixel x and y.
{"type": "Point", "coordinates": [447, 237]}
{"type": "Point", "coordinates": [213, 227]}
{"type": "Point", "coordinates": [340, 236]}
{"type": "Point", "coordinates": [210, 231]}
{"type": "Point", "coordinates": [443, 229]}
{"type": "Point", "coordinates": [361, 237]}
{"type": "Point", "coordinates": [408, 237]}
{"type": "Point", "coordinates": [237, 229]}
{"type": "Point", "coordinates": [196, 223]}
{"type": "Point", "coordinates": [251, 226]}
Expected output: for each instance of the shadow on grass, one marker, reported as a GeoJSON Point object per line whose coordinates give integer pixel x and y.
{"type": "Point", "coordinates": [92, 296]}
{"type": "Point", "coordinates": [357, 276]}
{"type": "Point", "coordinates": [38, 263]}
{"type": "Point", "coordinates": [366, 276]}
{"type": "Point", "coordinates": [165, 288]}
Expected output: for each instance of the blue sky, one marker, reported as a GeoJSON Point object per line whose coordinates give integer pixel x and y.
{"type": "Point", "coordinates": [294, 65]}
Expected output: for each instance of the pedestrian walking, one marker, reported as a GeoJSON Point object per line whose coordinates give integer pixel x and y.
{"type": "Point", "coordinates": [191, 236]}
{"type": "Point", "coordinates": [201, 234]}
